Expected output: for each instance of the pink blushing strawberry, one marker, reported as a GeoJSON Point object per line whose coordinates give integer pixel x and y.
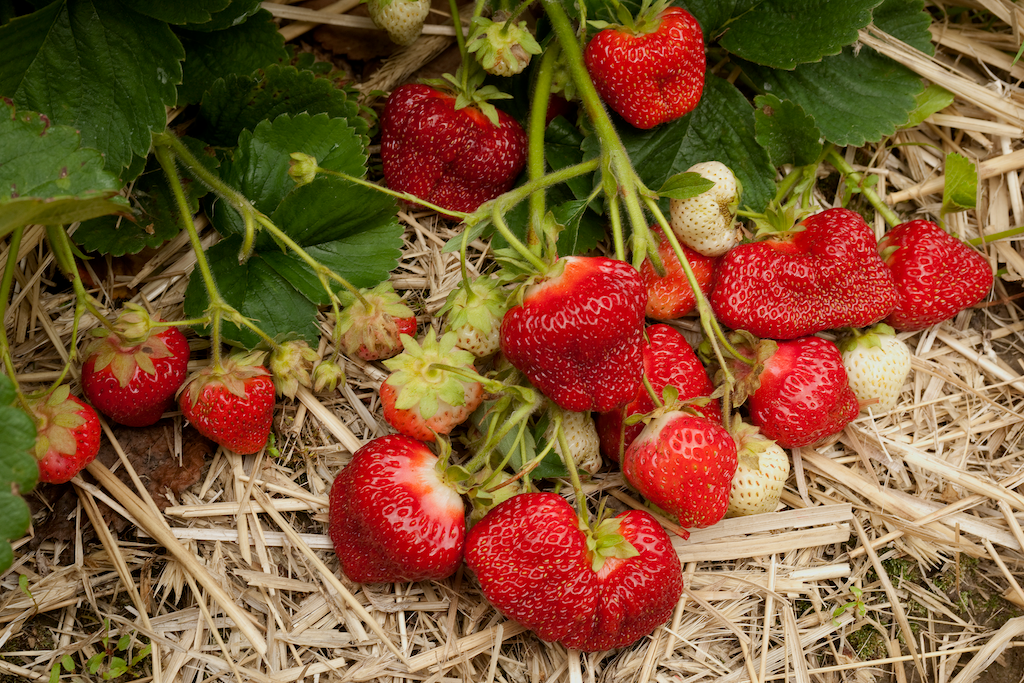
{"type": "Point", "coordinates": [67, 435]}
{"type": "Point", "coordinates": [394, 516]}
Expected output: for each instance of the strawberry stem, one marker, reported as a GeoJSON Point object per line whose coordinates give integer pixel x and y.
{"type": "Point", "coordinates": [857, 178]}
{"type": "Point", "coordinates": [570, 465]}
{"type": "Point", "coordinates": [987, 239]}
{"type": "Point", "coordinates": [535, 151]}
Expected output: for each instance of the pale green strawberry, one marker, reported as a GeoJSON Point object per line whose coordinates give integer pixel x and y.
{"type": "Point", "coordinates": [761, 472]}
{"type": "Point", "coordinates": [877, 365]}
{"type": "Point", "coordinates": [473, 312]}
{"type": "Point", "coordinates": [705, 223]}
{"type": "Point", "coordinates": [581, 435]}
{"type": "Point", "coordinates": [402, 19]}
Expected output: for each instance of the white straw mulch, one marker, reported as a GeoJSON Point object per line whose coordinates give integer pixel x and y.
{"type": "Point", "coordinates": [897, 553]}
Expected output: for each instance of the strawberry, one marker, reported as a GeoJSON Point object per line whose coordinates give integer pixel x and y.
{"type": "Point", "coordinates": [684, 464]}
{"type": "Point", "coordinates": [824, 274]}
{"type": "Point", "coordinates": [576, 335]}
{"type": "Point", "coordinates": [502, 48]}
{"type": "Point", "coordinates": [761, 472]}
{"type": "Point", "coordinates": [803, 395]}
{"type": "Point", "coordinates": [653, 71]}
{"type": "Point", "coordinates": [454, 157]}
{"type": "Point", "coordinates": [580, 434]}
{"type": "Point", "coordinates": [394, 516]}
{"type": "Point", "coordinates": [877, 364]}
{"type": "Point", "coordinates": [402, 19]}
{"type": "Point", "coordinates": [671, 297]}
{"type": "Point", "coordinates": [473, 311]}
{"type": "Point", "coordinates": [371, 325]}
{"type": "Point", "coordinates": [668, 360]}
{"type": "Point", "coordinates": [67, 434]}
{"type": "Point", "coordinates": [429, 391]}
{"type": "Point", "coordinates": [232, 404]}
{"type": "Point", "coordinates": [936, 275]}
{"type": "Point", "coordinates": [131, 374]}
{"type": "Point", "coordinates": [540, 565]}
{"type": "Point", "coordinates": [706, 223]}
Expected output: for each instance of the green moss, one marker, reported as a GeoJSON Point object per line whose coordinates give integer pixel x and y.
{"type": "Point", "coordinates": [868, 643]}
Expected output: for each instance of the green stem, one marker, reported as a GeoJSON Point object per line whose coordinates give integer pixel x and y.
{"type": "Point", "coordinates": [574, 473]}
{"type": "Point", "coordinates": [498, 219]}
{"type": "Point", "coordinates": [515, 419]}
{"type": "Point", "coordinates": [6, 285]}
{"type": "Point", "coordinates": [856, 177]}
{"type": "Point", "coordinates": [987, 239]}
{"type": "Point", "coordinates": [460, 39]}
{"type": "Point", "coordinates": [535, 152]}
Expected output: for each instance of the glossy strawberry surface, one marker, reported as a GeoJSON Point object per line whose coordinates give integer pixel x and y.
{"type": "Point", "coordinates": [668, 360]}
{"type": "Point", "coordinates": [576, 335]}
{"type": "Point", "coordinates": [670, 296]}
{"type": "Point", "coordinates": [684, 464]}
{"type": "Point", "coordinates": [533, 564]}
{"type": "Point", "coordinates": [827, 275]}
{"type": "Point", "coordinates": [936, 275]}
{"type": "Point", "coordinates": [392, 515]}
{"type": "Point", "coordinates": [651, 75]}
{"type": "Point", "coordinates": [454, 158]}
{"type": "Point", "coordinates": [804, 396]}
{"type": "Point", "coordinates": [233, 407]}
{"type": "Point", "coordinates": [67, 435]}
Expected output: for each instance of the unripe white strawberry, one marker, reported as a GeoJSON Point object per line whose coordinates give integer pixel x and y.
{"type": "Point", "coordinates": [402, 19]}
{"type": "Point", "coordinates": [761, 473]}
{"type": "Point", "coordinates": [877, 364]}
{"type": "Point", "coordinates": [706, 223]}
{"type": "Point", "coordinates": [473, 312]}
{"type": "Point", "coordinates": [581, 435]}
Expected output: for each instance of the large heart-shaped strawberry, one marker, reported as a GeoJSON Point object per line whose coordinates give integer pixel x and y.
{"type": "Point", "coordinates": [576, 335]}
{"type": "Point", "coordinates": [576, 587]}
{"type": "Point", "coordinates": [825, 274]}
{"type": "Point", "coordinates": [651, 72]}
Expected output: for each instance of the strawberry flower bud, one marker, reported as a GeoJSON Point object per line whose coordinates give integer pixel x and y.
{"type": "Point", "coordinates": [327, 375]}
{"type": "Point", "coordinates": [302, 168]}
{"type": "Point", "coordinates": [290, 363]}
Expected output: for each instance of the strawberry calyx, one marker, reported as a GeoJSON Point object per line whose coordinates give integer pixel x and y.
{"type": "Point", "coordinates": [327, 375]}
{"type": "Point", "coordinates": [478, 304]}
{"type": "Point", "coordinates": [290, 364]}
{"type": "Point", "coordinates": [750, 443]}
{"type": "Point", "coordinates": [748, 375]}
{"type": "Point", "coordinates": [428, 374]}
{"type": "Point", "coordinates": [231, 373]}
{"type": "Point", "coordinates": [647, 19]}
{"type": "Point", "coordinates": [502, 48]}
{"type": "Point", "coordinates": [467, 87]}
{"type": "Point", "coordinates": [132, 345]}
{"type": "Point", "coordinates": [605, 541]}
{"type": "Point", "coordinates": [868, 338]}
{"type": "Point", "coordinates": [368, 326]}
{"type": "Point", "coordinates": [56, 418]}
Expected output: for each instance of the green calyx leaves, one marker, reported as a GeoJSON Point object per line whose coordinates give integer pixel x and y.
{"type": "Point", "coordinates": [430, 373]}
{"type": "Point", "coordinates": [605, 541]}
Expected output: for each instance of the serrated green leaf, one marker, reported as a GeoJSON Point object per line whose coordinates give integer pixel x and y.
{"type": "Point", "coordinates": [715, 15]}
{"type": "Point", "coordinates": [784, 33]}
{"type": "Point", "coordinates": [961, 189]}
{"type": "Point", "coordinates": [192, 12]}
{"type": "Point", "coordinates": [59, 211]}
{"type": "Point", "coordinates": [18, 471]}
{"type": "Point", "coordinates": [562, 142]}
{"type": "Point", "coordinates": [786, 131]}
{"type": "Point", "coordinates": [260, 165]}
{"type": "Point", "coordinates": [932, 99]}
{"type": "Point", "coordinates": [238, 103]}
{"type": "Point", "coordinates": [854, 97]}
{"type": "Point", "coordinates": [232, 15]}
{"type": "Point", "coordinates": [240, 49]}
{"type": "Point", "coordinates": [258, 291]}
{"type": "Point", "coordinates": [685, 185]}
{"type": "Point", "coordinates": [906, 20]}
{"type": "Point", "coordinates": [95, 65]}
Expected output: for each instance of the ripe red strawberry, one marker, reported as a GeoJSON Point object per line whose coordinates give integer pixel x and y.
{"type": "Point", "coordinates": [67, 435]}
{"type": "Point", "coordinates": [576, 335]}
{"type": "Point", "coordinates": [394, 516]}
{"type": "Point", "coordinates": [651, 72]}
{"type": "Point", "coordinates": [402, 19]}
{"type": "Point", "coordinates": [826, 274]}
{"type": "Point", "coordinates": [936, 275]}
{"type": "Point", "coordinates": [804, 395]}
{"type": "Point", "coordinates": [454, 158]}
{"type": "Point", "coordinates": [684, 464]}
{"type": "Point", "coordinates": [671, 297]}
{"type": "Point", "coordinates": [538, 567]}
{"type": "Point", "coordinates": [232, 405]}
{"type": "Point", "coordinates": [371, 327]}
{"type": "Point", "coordinates": [668, 360]}
{"type": "Point", "coordinates": [131, 375]}
{"type": "Point", "coordinates": [421, 397]}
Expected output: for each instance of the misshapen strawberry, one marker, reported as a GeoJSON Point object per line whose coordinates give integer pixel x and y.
{"type": "Point", "coordinates": [537, 566]}
{"type": "Point", "coordinates": [671, 297]}
{"type": "Point", "coordinates": [454, 158]}
{"type": "Point", "coordinates": [131, 374]}
{"type": "Point", "coordinates": [652, 72]}
{"type": "Point", "coordinates": [393, 515]}
{"type": "Point", "coordinates": [684, 464]}
{"type": "Point", "coordinates": [803, 395]}
{"type": "Point", "coordinates": [576, 335]}
{"type": "Point", "coordinates": [825, 274]}
{"type": "Point", "coordinates": [669, 360]}
{"type": "Point", "coordinates": [233, 404]}
{"type": "Point", "coordinates": [67, 435]}
{"type": "Point", "coordinates": [936, 275]}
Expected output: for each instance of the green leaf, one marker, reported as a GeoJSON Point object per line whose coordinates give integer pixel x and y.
{"type": "Point", "coordinates": [238, 103]}
{"type": "Point", "coordinates": [239, 49]}
{"type": "Point", "coordinates": [258, 292]}
{"type": "Point", "coordinates": [932, 99]}
{"type": "Point", "coordinates": [562, 143]}
{"type": "Point", "coordinates": [18, 471]}
{"type": "Point", "coordinates": [715, 15]}
{"type": "Point", "coordinates": [784, 33]}
{"type": "Point", "coordinates": [685, 185]}
{"type": "Point", "coordinates": [95, 65]}
{"type": "Point", "coordinates": [192, 12]}
{"type": "Point", "coordinates": [47, 177]}
{"type": "Point", "coordinates": [237, 12]}
{"type": "Point", "coordinates": [961, 189]}
{"type": "Point", "coordinates": [906, 20]}
{"type": "Point", "coordinates": [583, 230]}
{"type": "Point", "coordinates": [854, 97]}
{"type": "Point", "coordinates": [786, 131]}
{"type": "Point", "coordinates": [260, 165]}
